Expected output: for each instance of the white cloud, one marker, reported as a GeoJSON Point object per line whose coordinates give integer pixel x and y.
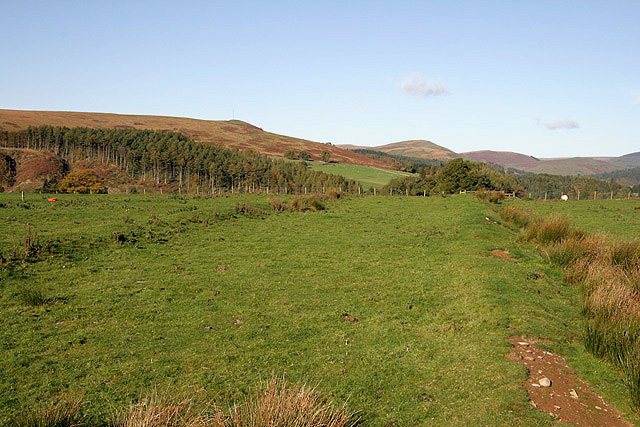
{"type": "Point", "coordinates": [416, 84]}
{"type": "Point", "coordinates": [635, 98]}
{"type": "Point", "coordinates": [560, 124]}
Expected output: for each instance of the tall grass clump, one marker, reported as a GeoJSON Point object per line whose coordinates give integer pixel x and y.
{"type": "Point", "coordinates": [518, 217]}
{"type": "Point", "coordinates": [608, 273]}
{"type": "Point", "coordinates": [165, 411]}
{"type": "Point", "coordinates": [495, 197]}
{"type": "Point", "coordinates": [33, 296]}
{"type": "Point", "coordinates": [281, 403]}
{"type": "Point", "coordinates": [276, 403]}
{"type": "Point", "coordinates": [62, 413]}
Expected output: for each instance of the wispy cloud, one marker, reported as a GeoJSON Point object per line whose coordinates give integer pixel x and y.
{"type": "Point", "coordinates": [415, 84]}
{"type": "Point", "coordinates": [635, 97]}
{"type": "Point", "coordinates": [565, 124]}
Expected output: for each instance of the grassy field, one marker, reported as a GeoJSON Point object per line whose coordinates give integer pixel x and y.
{"type": "Point", "coordinates": [198, 295]}
{"type": "Point", "coordinates": [366, 175]}
{"type": "Point", "coordinates": [619, 218]}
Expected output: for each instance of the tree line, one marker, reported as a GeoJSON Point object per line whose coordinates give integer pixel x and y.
{"type": "Point", "coordinates": [464, 175]}
{"type": "Point", "coordinates": [166, 157]}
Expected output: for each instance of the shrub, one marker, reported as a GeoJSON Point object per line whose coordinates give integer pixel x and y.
{"type": "Point", "coordinates": [296, 204]}
{"type": "Point", "coordinates": [82, 181]}
{"type": "Point", "coordinates": [247, 209]}
{"type": "Point", "coordinates": [279, 205]}
{"type": "Point", "coordinates": [314, 203]}
{"type": "Point", "coordinates": [303, 155]}
{"type": "Point", "coordinates": [31, 247]}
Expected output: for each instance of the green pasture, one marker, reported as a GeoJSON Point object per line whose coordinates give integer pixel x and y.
{"type": "Point", "coordinates": [619, 218]}
{"type": "Point", "coordinates": [199, 296]}
{"type": "Point", "coordinates": [366, 175]}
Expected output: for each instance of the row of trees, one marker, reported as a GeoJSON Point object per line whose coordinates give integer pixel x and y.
{"type": "Point", "coordinates": [463, 175]}
{"type": "Point", "coordinates": [455, 176]}
{"type": "Point", "coordinates": [172, 158]}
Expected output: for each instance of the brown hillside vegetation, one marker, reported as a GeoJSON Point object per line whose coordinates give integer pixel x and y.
{"type": "Point", "coordinates": [232, 133]}
{"type": "Point", "coordinates": [419, 149]}
{"type": "Point", "coordinates": [503, 158]}
{"type": "Point", "coordinates": [556, 166]}
{"type": "Point", "coordinates": [26, 170]}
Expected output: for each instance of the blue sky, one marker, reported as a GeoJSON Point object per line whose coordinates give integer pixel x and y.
{"type": "Point", "coordinates": [549, 79]}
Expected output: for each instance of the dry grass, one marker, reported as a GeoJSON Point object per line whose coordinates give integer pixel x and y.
{"type": "Point", "coordinates": [164, 411]}
{"type": "Point", "coordinates": [278, 403]}
{"type": "Point", "coordinates": [281, 403]}
{"type": "Point", "coordinates": [491, 196]}
{"type": "Point", "coordinates": [64, 412]}
{"type": "Point", "coordinates": [609, 274]}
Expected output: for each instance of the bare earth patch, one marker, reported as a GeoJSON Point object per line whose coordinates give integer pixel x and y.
{"type": "Point", "coordinates": [555, 388]}
{"type": "Point", "coordinates": [503, 254]}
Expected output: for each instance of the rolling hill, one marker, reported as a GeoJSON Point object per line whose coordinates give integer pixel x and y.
{"type": "Point", "coordinates": [555, 166]}
{"type": "Point", "coordinates": [419, 149]}
{"type": "Point", "coordinates": [631, 160]}
{"type": "Point", "coordinates": [507, 159]}
{"type": "Point", "coordinates": [231, 134]}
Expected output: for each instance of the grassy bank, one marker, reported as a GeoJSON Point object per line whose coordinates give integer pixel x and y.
{"type": "Point", "coordinates": [608, 272]}
{"type": "Point", "coordinates": [218, 294]}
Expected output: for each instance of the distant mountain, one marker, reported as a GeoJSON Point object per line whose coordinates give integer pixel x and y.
{"type": "Point", "coordinates": [631, 160]}
{"type": "Point", "coordinates": [574, 166]}
{"type": "Point", "coordinates": [555, 166]}
{"type": "Point", "coordinates": [419, 149]}
{"type": "Point", "coordinates": [507, 159]}
{"type": "Point", "coordinates": [230, 134]}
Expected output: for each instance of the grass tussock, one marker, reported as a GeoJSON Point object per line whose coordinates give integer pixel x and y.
{"type": "Point", "coordinates": [281, 403]}
{"type": "Point", "coordinates": [608, 272]}
{"type": "Point", "coordinates": [64, 412]}
{"type": "Point", "coordinates": [277, 402]}
{"type": "Point", "coordinates": [33, 296]}
{"type": "Point", "coordinates": [165, 411]}
{"type": "Point", "coordinates": [519, 217]}
{"type": "Point", "coordinates": [495, 197]}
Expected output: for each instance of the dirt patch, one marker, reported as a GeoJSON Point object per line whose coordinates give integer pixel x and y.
{"type": "Point", "coordinates": [503, 254]}
{"type": "Point", "coordinates": [557, 390]}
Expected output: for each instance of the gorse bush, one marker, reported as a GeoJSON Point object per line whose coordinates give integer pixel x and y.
{"type": "Point", "coordinates": [609, 275]}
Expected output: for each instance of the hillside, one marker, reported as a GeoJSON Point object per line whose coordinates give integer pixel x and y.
{"type": "Point", "coordinates": [574, 166]}
{"type": "Point", "coordinates": [507, 159]}
{"type": "Point", "coordinates": [231, 134]}
{"type": "Point", "coordinates": [419, 149]}
{"type": "Point", "coordinates": [631, 160]}
{"type": "Point", "coordinates": [27, 170]}
{"type": "Point", "coordinates": [557, 166]}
